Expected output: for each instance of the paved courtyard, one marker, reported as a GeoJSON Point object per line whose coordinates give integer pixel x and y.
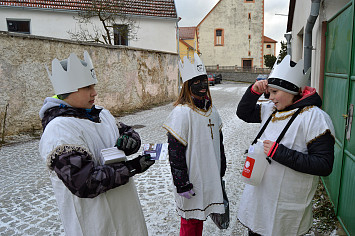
{"type": "Point", "coordinates": [28, 206]}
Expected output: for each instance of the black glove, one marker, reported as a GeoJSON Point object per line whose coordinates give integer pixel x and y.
{"type": "Point", "coordinates": [125, 142]}
{"type": "Point", "coordinates": [139, 164]}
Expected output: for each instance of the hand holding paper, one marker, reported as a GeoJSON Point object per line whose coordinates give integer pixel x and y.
{"type": "Point", "coordinates": [139, 164]}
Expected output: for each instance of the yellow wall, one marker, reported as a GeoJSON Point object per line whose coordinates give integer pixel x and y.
{"type": "Point", "coordinates": [188, 51]}
{"type": "Point", "coordinates": [185, 51]}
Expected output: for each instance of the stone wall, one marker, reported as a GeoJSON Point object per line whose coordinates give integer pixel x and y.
{"type": "Point", "coordinates": [128, 78]}
{"type": "Point", "coordinates": [247, 77]}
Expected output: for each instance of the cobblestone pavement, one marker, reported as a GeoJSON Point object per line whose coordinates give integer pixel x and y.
{"type": "Point", "coordinates": [28, 206]}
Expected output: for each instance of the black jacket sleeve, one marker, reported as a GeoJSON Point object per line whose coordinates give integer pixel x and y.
{"type": "Point", "coordinates": [248, 110]}
{"type": "Point", "coordinates": [79, 174]}
{"type": "Point", "coordinates": [223, 156]}
{"type": "Point", "coordinates": [177, 159]}
{"type": "Point", "coordinates": [318, 161]}
{"type": "Point", "coordinates": [129, 131]}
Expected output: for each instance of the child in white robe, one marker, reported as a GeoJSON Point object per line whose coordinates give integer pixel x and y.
{"type": "Point", "coordinates": [93, 198]}
{"type": "Point", "coordinates": [282, 203]}
{"type": "Point", "coordinates": [196, 151]}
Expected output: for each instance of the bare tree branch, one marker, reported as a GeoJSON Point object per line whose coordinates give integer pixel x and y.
{"type": "Point", "coordinates": [113, 18]}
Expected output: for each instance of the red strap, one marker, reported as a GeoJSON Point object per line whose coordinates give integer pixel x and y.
{"type": "Point", "coordinates": [253, 91]}
{"type": "Point", "coordinates": [272, 150]}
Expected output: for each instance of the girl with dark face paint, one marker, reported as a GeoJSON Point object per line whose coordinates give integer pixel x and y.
{"type": "Point", "coordinates": [195, 90]}
{"type": "Point", "coordinates": [199, 86]}
{"type": "Point", "coordinates": [196, 151]}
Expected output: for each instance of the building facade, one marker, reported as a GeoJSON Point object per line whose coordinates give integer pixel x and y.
{"type": "Point", "coordinates": [187, 42]}
{"type": "Point", "coordinates": [231, 34]}
{"type": "Point", "coordinates": [154, 22]}
{"type": "Point", "coordinates": [328, 49]}
{"type": "Point", "coordinates": [269, 46]}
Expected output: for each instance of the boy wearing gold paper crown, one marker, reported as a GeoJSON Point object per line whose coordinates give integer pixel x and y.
{"type": "Point", "coordinates": [196, 151]}
{"type": "Point", "coordinates": [282, 203]}
{"type": "Point", "coordinates": [93, 198]}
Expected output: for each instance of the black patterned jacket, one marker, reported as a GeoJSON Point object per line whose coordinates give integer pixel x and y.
{"type": "Point", "coordinates": [77, 169]}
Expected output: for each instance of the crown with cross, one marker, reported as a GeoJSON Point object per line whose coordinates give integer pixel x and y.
{"type": "Point", "coordinates": [78, 74]}
{"type": "Point", "coordinates": [190, 70]}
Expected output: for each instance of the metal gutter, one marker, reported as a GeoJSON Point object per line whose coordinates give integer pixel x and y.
{"type": "Point", "coordinates": [178, 51]}
{"type": "Point", "coordinates": [288, 37]}
{"type": "Point", "coordinates": [308, 34]}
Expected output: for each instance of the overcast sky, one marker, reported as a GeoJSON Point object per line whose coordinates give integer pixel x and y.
{"type": "Point", "coordinates": [193, 11]}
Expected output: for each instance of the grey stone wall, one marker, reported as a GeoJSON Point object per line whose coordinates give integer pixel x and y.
{"type": "Point", "coordinates": [247, 77]}
{"type": "Point", "coordinates": [128, 78]}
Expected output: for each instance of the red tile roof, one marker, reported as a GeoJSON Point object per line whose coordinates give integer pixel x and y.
{"type": "Point", "coordinates": [159, 8]}
{"type": "Point", "coordinates": [187, 32]}
{"type": "Point", "coordinates": [268, 40]}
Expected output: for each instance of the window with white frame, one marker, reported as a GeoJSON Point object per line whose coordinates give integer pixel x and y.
{"type": "Point", "coordinates": [219, 37]}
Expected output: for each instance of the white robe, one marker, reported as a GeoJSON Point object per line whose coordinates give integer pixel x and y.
{"type": "Point", "coordinates": [115, 212]}
{"type": "Point", "coordinates": [194, 129]}
{"type": "Point", "coordinates": [281, 204]}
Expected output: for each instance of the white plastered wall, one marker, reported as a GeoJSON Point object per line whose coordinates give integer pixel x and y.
{"type": "Point", "coordinates": [328, 9]}
{"type": "Point", "coordinates": [152, 33]}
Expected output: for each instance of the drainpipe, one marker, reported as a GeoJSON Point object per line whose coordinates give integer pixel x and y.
{"type": "Point", "coordinates": [308, 35]}
{"type": "Point", "coordinates": [288, 37]}
{"type": "Point", "coordinates": [178, 50]}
